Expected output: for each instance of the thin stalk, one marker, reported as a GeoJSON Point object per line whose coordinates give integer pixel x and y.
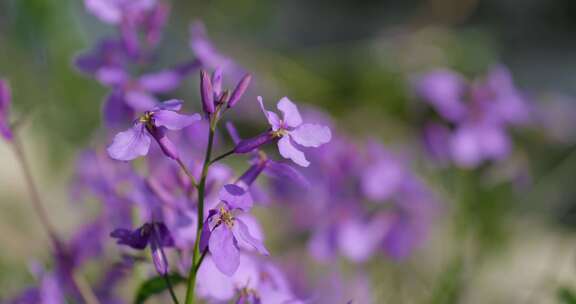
{"type": "Point", "coordinates": [220, 157]}
{"type": "Point", "coordinates": [196, 259]}
{"type": "Point", "coordinates": [36, 199]}
{"type": "Point", "coordinates": [83, 287]}
{"type": "Point", "coordinates": [187, 172]}
{"type": "Point", "coordinates": [171, 289]}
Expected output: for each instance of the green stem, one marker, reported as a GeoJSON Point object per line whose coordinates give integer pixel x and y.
{"type": "Point", "coordinates": [171, 289]}
{"type": "Point", "coordinates": [196, 258]}
{"type": "Point", "coordinates": [222, 156]}
{"type": "Point", "coordinates": [187, 172]}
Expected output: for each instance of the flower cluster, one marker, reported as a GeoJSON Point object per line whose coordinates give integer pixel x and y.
{"type": "Point", "coordinates": [163, 187]}
{"type": "Point", "coordinates": [475, 116]}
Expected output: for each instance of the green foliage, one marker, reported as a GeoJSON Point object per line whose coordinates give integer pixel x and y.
{"type": "Point", "coordinates": [156, 285]}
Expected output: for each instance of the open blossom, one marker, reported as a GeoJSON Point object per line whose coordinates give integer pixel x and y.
{"type": "Point", "coordinates": [5, 101]}
{"type": "Point", "coordinates": [155, 235]}
{"type": "Point", "coordinates": [224, 230]}
{"type": "Point", "coordinates": [135, 142]}
{"type": "Point", "coordinates": [287, 130]}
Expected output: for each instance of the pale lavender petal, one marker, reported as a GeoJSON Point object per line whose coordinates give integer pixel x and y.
{"type": "Point", "coordinates": [494, 141]}
{"type": "Point", "coordinates": [272, 118]}
{"type": "Point", "coordinates": [213, 283]}
{"type": "Point", "coordinates": [140, 101]}
{"type": "Point", "coordinates": [224, 252]}
{"type": "Point", "coordinates": [130, 144]}
{"type": "Point", "coordinates": [382, 179]}
{"type": "Point", "coordinates": [160, 82]}
{"type": "Point", "coordinates": [311, 135]}
{"type": "Point", "coordinates": [174, 121]}
{"type": "Point", "coordinates": [107, 11]}
{"type": "Point", "coordinates": [112, 76]}
{"type": "Point", "coordinates": [241, 232]}
{"type": "Point", "coordinates": [287, 150]}
{"type": "Point", "coordinates": [466, 150]}
{"type": "Point", "coordinates": [291, 114]}
{"type": "Point", "coordinates": [236, 197]}
{"type": "Point", "coordinates": [443, 89]}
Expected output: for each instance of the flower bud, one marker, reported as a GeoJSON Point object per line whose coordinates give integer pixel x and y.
{"type": "Point", "coordinates": [248, 178]}
{"type": "Point", "coordinates": [207, 93]}
{"type": "Point", "coordinates": [247, 145]}
{"type": "Point", "coordinates": [239, 90]}
{"type": "Point", "coordinates": [217, 82]}
{"type": "Point", "coordinates": [158, 256]}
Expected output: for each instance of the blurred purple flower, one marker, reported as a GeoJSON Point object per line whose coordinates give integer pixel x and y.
{"type": "Point", "coordinates": [154, 234]}
{"type": "Point", "coordinates": [135, 142]}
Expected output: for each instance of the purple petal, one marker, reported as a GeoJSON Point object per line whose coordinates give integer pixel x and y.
{"type": "Point", "coordinates": [287, 150]}
{"type": "Point", "coordinates": [5, 101]}
{"type": "Point", "coordinates": [494, 141]}
{"type": "Point", "coordinates": [285, 171]}
{"type": "Point", "coordinates": [239, 90]}
{"type": "Point", "coordinates": [206, 93]}
{"type": "Point", "coordinates": [130, 144]}
{"type": "Point", "coordinates": [137, 239]}
{"type": "Point", "coordinates": [224, 252]}
{"type": "Point", "coordinates": [443, 89]}
{"type": "Point", "coordinates": [241, 232]}
{"type": "Point", "coordinates": [174, 121]}
{"type": "Point", "coordinates": [172, 105]}
{"type": "Point", "coordinates": [291, 114]}
{"type": "Point", "coordinates": [140, 101]}
{"type": "Point", "coordinates": [107, 11]}
{"type": "Point", "coordinates": [311, 135]}
{"type": "Point", "coordinates": [213, 284]}
{"type": "Point", "coordinates": [160, 82]}
{"type": "Point", "coordinates": [236, 197]}
{"type": "Point", "coordinates": [115, 110]}
{"type": "Point", "coordinates": [272, 118]}
{"type": "Point", "coordinates": [466, 150]}
{"type": "Point", "coordinates": [359, 240]}
{"type": "Point", "coordinates": [233, 132]}
{"type": "Point", "coordinates": [382, 179]}
{"type": "Point", "coordinates": [112, 76]}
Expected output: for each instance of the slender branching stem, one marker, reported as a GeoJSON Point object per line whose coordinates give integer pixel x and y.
{"type": "Point", "coordinates": [171, 289]}
{"type": "Point", "coordinates": [220, 157]}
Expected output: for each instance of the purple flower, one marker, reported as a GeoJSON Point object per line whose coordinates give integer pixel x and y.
{"type": "Point", "coordinates": [444, 90]}
{"type": "Point", "coordinates": [289, 128]}
{"type": "Point", "coordinates": [5, 101]}
{"type": "Point", "coordinates": [224, 231]}
{"type": "Point", "coordinates": [135, 142]}
{"type": "Point", "coordinates": [107, 53]}
{"type": "Point", "coordinates": [154, 234]}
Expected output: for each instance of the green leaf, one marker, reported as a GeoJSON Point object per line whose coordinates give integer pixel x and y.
{"type": "Point", "coordinates": [155, 286]}
{"type": "Point", "coordinates": [566, 295]}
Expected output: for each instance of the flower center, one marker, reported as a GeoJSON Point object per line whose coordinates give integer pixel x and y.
{"type": "Point", "coordinates": [279, 133]}
{"type": "Point", "coordinates": [226, 217]}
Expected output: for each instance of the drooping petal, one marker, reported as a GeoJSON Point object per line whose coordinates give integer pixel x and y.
{"type": "Point", "coordinates": [311, 135]}
{"type": "Point", "coordinates": [272, 118]}
{"type": "Point", "coordinates": [291, 114]}
{"type": "Point", "coordinates": [287, 150]}
{"type": "Point", "coordinates": [174, 121]}
{"type": "Point", "coordinates": [240, 231]}
{"type": "Point", "coordinates": [130, 144]}
{"type": "Point", "coordinates": [236, 197]}
{"type": "Point", "coordinates": [160, 82]}
{"type": "Point", "coordinates": [285, 171]}
{"type": "Point", "coordinates": [224, 252]}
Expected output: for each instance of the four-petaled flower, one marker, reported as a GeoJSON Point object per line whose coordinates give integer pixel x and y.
{"type": "Point", "coordinates": [289, 128]}
{"type": "Point", "coordinates": [224, 231]}
{"type": "Point", "coordinates": [135, 142]}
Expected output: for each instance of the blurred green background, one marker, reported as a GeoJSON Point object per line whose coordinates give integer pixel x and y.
{"type": "Point", "coordinates": [351, 58]}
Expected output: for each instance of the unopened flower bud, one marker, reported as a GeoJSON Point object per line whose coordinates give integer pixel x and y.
{"type": "Point", "coordinates": [239, 90]}
{"type": "Point", "coordinates": [207, 93]}
{"type": "Point", "coordinates": [247, 145]}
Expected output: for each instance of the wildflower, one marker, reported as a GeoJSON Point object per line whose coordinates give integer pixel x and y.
{"type": "Point", "coordinates": [224, 230]}
{"type": "Point", "coordinates": [135, 142]}
{"type": "Point", "coordinates": [154, 234]}
{"type": "Point", "coordinates": [289, 128]}
{"type": "Point", "coordinates": [5, 101]}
